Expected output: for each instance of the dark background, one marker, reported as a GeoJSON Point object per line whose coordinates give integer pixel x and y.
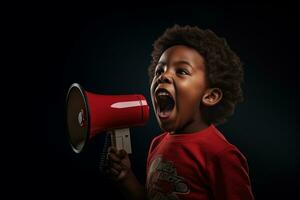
{"type": "Point", "coordinates": [109, 53]}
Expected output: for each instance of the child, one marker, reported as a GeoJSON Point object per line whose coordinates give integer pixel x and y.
{"type": "Point", "coordinates": [195, 84]}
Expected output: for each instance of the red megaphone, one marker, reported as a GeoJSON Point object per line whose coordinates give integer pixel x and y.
{"type": "Point", "coordinates": [89, 114]}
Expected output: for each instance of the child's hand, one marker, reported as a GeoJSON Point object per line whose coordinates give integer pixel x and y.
{"type": "Point", "coordinates": [119, 167]}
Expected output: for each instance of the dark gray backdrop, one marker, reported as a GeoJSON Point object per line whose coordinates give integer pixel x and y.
{"type": "Point", "coordinates": [109, 54]}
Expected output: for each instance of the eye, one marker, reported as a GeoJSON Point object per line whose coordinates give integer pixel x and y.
{"type": "Point", "coordinates": [159, 71]}
{"type": "Point", "coordinates": [182, 71]}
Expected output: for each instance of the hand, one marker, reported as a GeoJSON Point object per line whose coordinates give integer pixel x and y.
{"type": "Point", "coordinates": [119, 167]}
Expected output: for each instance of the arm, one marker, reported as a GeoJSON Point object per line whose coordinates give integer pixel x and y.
{"type": "Point", "coordinates": [229, 176]}
{"type": "Point", "coordinates": [119, 170]}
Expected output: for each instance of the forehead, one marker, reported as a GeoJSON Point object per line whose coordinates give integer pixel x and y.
{"type": "Point", "coordinates": [182, 53]}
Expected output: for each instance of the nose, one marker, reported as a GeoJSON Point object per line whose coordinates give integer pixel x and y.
{"type": "Point", "coordinates": [165, 78]}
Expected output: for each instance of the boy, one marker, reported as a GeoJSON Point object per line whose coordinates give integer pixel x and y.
{"type": "Point", "coordinates": [195, 83]}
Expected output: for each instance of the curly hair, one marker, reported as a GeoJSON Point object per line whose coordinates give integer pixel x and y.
{"type": "Point", "coordinates": [224, 69]}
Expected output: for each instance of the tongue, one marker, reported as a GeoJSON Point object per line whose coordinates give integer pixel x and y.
{"type": "Point", "coordinates": [165, 106]}
{"type": "Point", "coordinates": [165, 113]}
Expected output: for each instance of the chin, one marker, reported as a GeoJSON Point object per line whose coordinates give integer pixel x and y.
{"type": "Point", "coordinates": [166, 128]}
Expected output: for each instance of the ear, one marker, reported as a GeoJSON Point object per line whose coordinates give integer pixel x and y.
{"type": "Point", "coordinates": [212, 96]}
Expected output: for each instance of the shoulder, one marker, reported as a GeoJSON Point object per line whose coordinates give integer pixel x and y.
{"type": "Point", "coordinates": [230, 158]}
{"type": "Point", "coordinates": [218, 146]}
{"type": "Point", "coordinates": [231, 154]}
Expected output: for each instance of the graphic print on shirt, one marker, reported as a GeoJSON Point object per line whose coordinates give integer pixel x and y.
{"type": "Point", "coordinates": [163, 183]}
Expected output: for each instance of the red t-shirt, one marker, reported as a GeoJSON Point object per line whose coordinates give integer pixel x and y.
{"type": "Point", "coordinates": [201, 165]}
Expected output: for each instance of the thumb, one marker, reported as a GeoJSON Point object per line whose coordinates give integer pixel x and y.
{"type": "Point", "coordinates": [123, 153]}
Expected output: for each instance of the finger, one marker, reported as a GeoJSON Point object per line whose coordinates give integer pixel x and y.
{"type": "Point", "coordinates": [113, 157]}
{"type": "Point", "coordinates": [111, 174]}
{"type": "Point", "coordinates": [112, 149]}
{"type": "Point", "coordinates": [114, 172]}
{"type": "Point", "coordinates": [116, 166]}
{"type": "Point", "coordinates": [122, 153]}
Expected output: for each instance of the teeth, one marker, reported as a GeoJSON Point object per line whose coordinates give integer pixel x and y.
{"type": "Point", "coordinates": [163, 94]}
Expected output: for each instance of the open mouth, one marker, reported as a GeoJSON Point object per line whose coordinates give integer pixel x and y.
{"type": "Point", "coordinates": [165, 103]}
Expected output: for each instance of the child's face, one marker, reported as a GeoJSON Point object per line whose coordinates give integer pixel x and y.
{"type": "Point", "coordinates": [177, 89]}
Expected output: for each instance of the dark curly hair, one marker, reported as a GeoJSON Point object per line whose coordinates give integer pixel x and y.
{"type": "Point", "coordinates": [224, 69]}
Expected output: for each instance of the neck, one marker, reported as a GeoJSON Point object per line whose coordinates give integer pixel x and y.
{"type": "Point", "coordinates": [192, 127]}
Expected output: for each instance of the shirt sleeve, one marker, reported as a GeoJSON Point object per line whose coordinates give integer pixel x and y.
{"type": "Point", "coordinates": [229, 176]}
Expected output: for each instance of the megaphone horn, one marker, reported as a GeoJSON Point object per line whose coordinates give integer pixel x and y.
{"type": "Point", "coordinates": [89, 114]}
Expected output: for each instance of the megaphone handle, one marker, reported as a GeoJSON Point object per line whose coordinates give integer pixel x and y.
{"type": "Point", "coordinates": [103, 156]}
{"type": "Point", "coordinates": [120, 139]}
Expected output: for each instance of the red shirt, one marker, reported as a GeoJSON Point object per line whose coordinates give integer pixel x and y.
{"type": "Point", "coordinates": [201, 165]}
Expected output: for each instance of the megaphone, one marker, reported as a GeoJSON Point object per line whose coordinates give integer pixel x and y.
{"type": "Point", "coordinates": [89, 114]}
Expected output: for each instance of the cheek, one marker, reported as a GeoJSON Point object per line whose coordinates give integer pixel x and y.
{"type": "Point", "coordinates": [191, 93]}
{"type": "Point", "coordinates": [152, 86]}
{"type": "Point", "coordinates": [152, 91]}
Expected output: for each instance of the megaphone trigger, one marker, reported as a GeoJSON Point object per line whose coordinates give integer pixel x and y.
{"type": "Point", "coordinates": [120, 139]}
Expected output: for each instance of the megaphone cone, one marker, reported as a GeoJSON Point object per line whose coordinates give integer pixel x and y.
{"type": "Point", "coordinates": [89, 114]}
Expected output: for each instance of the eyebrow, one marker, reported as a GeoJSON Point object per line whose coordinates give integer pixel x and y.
{"type": "Point", "coordinates": [184, 62]}
{"type": "Point", "coordinates": [188, 64]}
{"type": "Point", "coordinates": [161, 63]}
{"type": "Point", "coordinates": [177, 62]}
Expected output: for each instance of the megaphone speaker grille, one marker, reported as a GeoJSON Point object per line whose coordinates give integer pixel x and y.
{"type": "Point", "coordinates": [77, 117]}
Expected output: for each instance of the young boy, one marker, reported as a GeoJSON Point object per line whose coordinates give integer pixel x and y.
{"type": "Point", "coordinates": [195, 84]}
